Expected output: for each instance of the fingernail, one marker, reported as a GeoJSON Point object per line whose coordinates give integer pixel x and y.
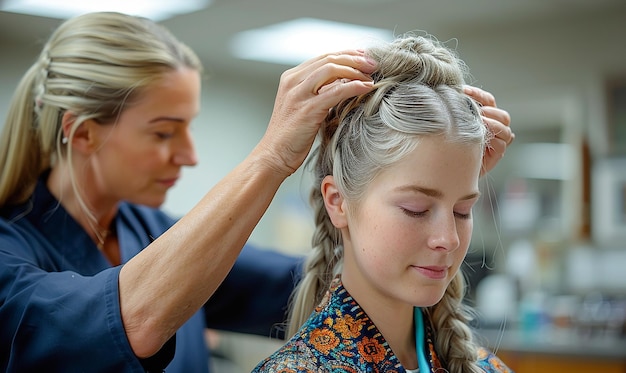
{"type": "Point", "coordinates": [370, 61]}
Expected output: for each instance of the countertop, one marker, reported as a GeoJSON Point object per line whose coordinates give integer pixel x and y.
{"type": "Point", "coordinates": [571, 343]}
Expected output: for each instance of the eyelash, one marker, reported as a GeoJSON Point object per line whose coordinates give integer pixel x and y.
{"type": "Point", "coordinates": [163, 136]}
{"type": "Point", "coordinates": [421, 214]}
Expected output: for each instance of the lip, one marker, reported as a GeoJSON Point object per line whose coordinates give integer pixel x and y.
{"type": "Point", "coordinates": [433, 272]}
{"type": "Point", "coordinates": [168, 182]}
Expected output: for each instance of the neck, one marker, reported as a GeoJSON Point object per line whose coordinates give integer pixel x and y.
{"type": "Point", "coordinates": [92, 212]}
{"type": "Point", "coordinates": [394, 321]}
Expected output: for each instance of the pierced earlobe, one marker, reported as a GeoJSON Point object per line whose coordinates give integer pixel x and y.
{"type": "Point", "coordinates": [64, 141]}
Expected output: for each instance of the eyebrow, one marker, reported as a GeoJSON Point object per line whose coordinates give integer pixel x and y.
{"type": "Point", "coordinates": [433, 192]}
{"type": "Point", "coordinates": [167, 119]}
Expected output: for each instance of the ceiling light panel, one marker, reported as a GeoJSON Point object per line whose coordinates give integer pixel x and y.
{"type": "Point", "coordinates": [156, 10]}
{"type": "Point", "coordinates": [292, 42]}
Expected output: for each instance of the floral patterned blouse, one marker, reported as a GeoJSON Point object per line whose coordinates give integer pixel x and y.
{"type": "Point", "coordinates": [339, 337]}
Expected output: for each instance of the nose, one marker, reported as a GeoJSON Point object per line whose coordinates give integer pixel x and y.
{"type": "Point", "coordinates": [444, 234]}
{"type": "Point", "coordinates": [185, 153]}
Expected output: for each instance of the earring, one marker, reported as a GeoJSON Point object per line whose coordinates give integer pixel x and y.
{"type": "Point", "coordinates": [64, 140]}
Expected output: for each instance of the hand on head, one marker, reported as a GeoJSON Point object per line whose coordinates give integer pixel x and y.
{"type": "Point", "coordinates": [305, 94]}
{"type": "Point", "coordinates": [498, 121]}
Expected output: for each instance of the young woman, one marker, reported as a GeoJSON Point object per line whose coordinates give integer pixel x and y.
{"type": "Point", "coordinates": [396, 175]}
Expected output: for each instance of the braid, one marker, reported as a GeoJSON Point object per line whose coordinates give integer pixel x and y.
{"type": "Point", "coordinates": [453, 338]}
{"type": "Point", "coordinates": [324, 262]}
{"type": "Point", "coordinates": [319, 268]}
{"type": "Point", "coordinates": [40, 80]}
{"type": "Point", "coordinates": [47, 118]}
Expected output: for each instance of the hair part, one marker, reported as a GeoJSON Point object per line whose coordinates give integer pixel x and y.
{"type": "Point", "coordinates": [418, 92]}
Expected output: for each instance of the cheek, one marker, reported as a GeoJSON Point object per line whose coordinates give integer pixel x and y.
{"type": "Point", "coordinates": [369, 225]}
{"type": "Point", "coordinates": [464, 231]}
{"type": "Point", "coordinates": [138, 156]}
{"type": "Point", "coordinates": [384, 240]}
{"type": "Point", "coordinates": [381, 236]}
{"type": "Point", "coordinates": [125, 168]}
{"type": "Point", "coordinates": [465, 236]}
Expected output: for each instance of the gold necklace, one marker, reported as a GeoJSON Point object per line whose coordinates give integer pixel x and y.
{"type": "Point", "coordinates": [101, 236]}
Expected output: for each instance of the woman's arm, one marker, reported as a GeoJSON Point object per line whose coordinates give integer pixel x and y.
{"type": "Point", "coordinates": [172, 278]}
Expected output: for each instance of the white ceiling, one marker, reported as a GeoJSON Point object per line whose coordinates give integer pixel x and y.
{"type": "Point", "coordinates": [209, 31]}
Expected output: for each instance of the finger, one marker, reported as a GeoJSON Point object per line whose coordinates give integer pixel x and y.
{"type": "Point", "coordinates": [494, 151]}
{"type": "Point", "coordinates": [337, 67]}
{"type": "Point", "coordinates": [497, 114]}
{"type": "Point", "coordinates": [496, 148]}
{"type": "Point", "coordinates": [344, 88]}
{"type": "Point", "coordinates": [499, 130]}
{"type": "Point", "coordinates": [481, 96]}
{"type": "Point", "coordinates": [319, 59]}
{"type": "Point", "coordinates": [352, 58]}
{"type": "Point", "coordinates": [334, 75]}
{"type": "Point", "coordinates": [326, 69]}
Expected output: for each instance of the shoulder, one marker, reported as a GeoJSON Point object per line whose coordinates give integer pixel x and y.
{"type": "Point", "coordinates": [490, 363]}
{"type": "Point", "coordinates": [293, 357]}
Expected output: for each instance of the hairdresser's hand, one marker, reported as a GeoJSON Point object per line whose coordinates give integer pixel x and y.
{"type": "Point", "coordinates": [498, 121]}
{"type": "Point", "coordinates": [305, 94]}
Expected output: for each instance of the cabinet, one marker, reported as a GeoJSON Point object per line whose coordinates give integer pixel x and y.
{"type": "Point", "coordinates": [525, 362]}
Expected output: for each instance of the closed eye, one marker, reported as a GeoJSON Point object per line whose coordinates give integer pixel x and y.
{"type": "Point", "coordinates": [414, 214]}
{"type": "Point", "coordinates": [421, 214]}
{"type": "Point", "coordinates": [164, 135]}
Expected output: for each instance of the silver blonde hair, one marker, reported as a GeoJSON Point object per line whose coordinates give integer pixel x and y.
{"type": "Point", "coordinates": [418, 93]}
{"type": "Point", "coordinates": [94, 66]}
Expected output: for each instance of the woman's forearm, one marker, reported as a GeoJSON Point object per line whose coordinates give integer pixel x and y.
{"type": "Point", "coordinates": [164, 285]}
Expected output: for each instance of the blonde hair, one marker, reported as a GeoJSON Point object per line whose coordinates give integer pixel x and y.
{"type": "Point", "coordinates": [418, 93]}
{"type": "Point", "coordinates": [93, 66]}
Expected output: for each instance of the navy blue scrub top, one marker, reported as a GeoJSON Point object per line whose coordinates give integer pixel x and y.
{"type": "Point", "coordinates": [59, 296]}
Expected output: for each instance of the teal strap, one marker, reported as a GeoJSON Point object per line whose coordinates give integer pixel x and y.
{"type": "Point", "coordinates": [420, 341]}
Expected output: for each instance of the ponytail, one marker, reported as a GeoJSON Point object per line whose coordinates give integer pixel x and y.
{"type": "Point", "coordinates": [23, 156]}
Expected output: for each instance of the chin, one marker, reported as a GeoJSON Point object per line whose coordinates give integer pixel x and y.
{"type": "Point", "coordinates": [426, 304]}
{"type": "Point", "coordinates": [431, 301]}
{"type": "Point", "coordinates": [150, 202]}
{"type": "Point", "coordinates": [157, 203]}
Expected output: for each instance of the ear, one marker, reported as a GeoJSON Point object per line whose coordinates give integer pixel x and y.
{"type": "Point", "coordinates": [84, 139]}
{"type": "Point", "coordinates": [334, 202]}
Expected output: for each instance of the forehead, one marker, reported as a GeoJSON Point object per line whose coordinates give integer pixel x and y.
{"type": "Point", "coordinates": [181, 81]}
{"type": "Point", "coordinates": [435, 163]}
{"type": "Point", "coordinates": [177, 90]}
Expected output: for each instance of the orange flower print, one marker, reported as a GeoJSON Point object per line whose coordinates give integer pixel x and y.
{"type": "Point", "coordinates": [323, 340]}
{"type": "Point", "coordinates": [371, 350]}
{"type": "Point", "coordinates": [498, 364]}
{"type": "Point", "coordinates": [349, 327]}
{"type": "Point", "coordinates": [343, 367]}
{"type": "Point", "coordinates": [434, 359]}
